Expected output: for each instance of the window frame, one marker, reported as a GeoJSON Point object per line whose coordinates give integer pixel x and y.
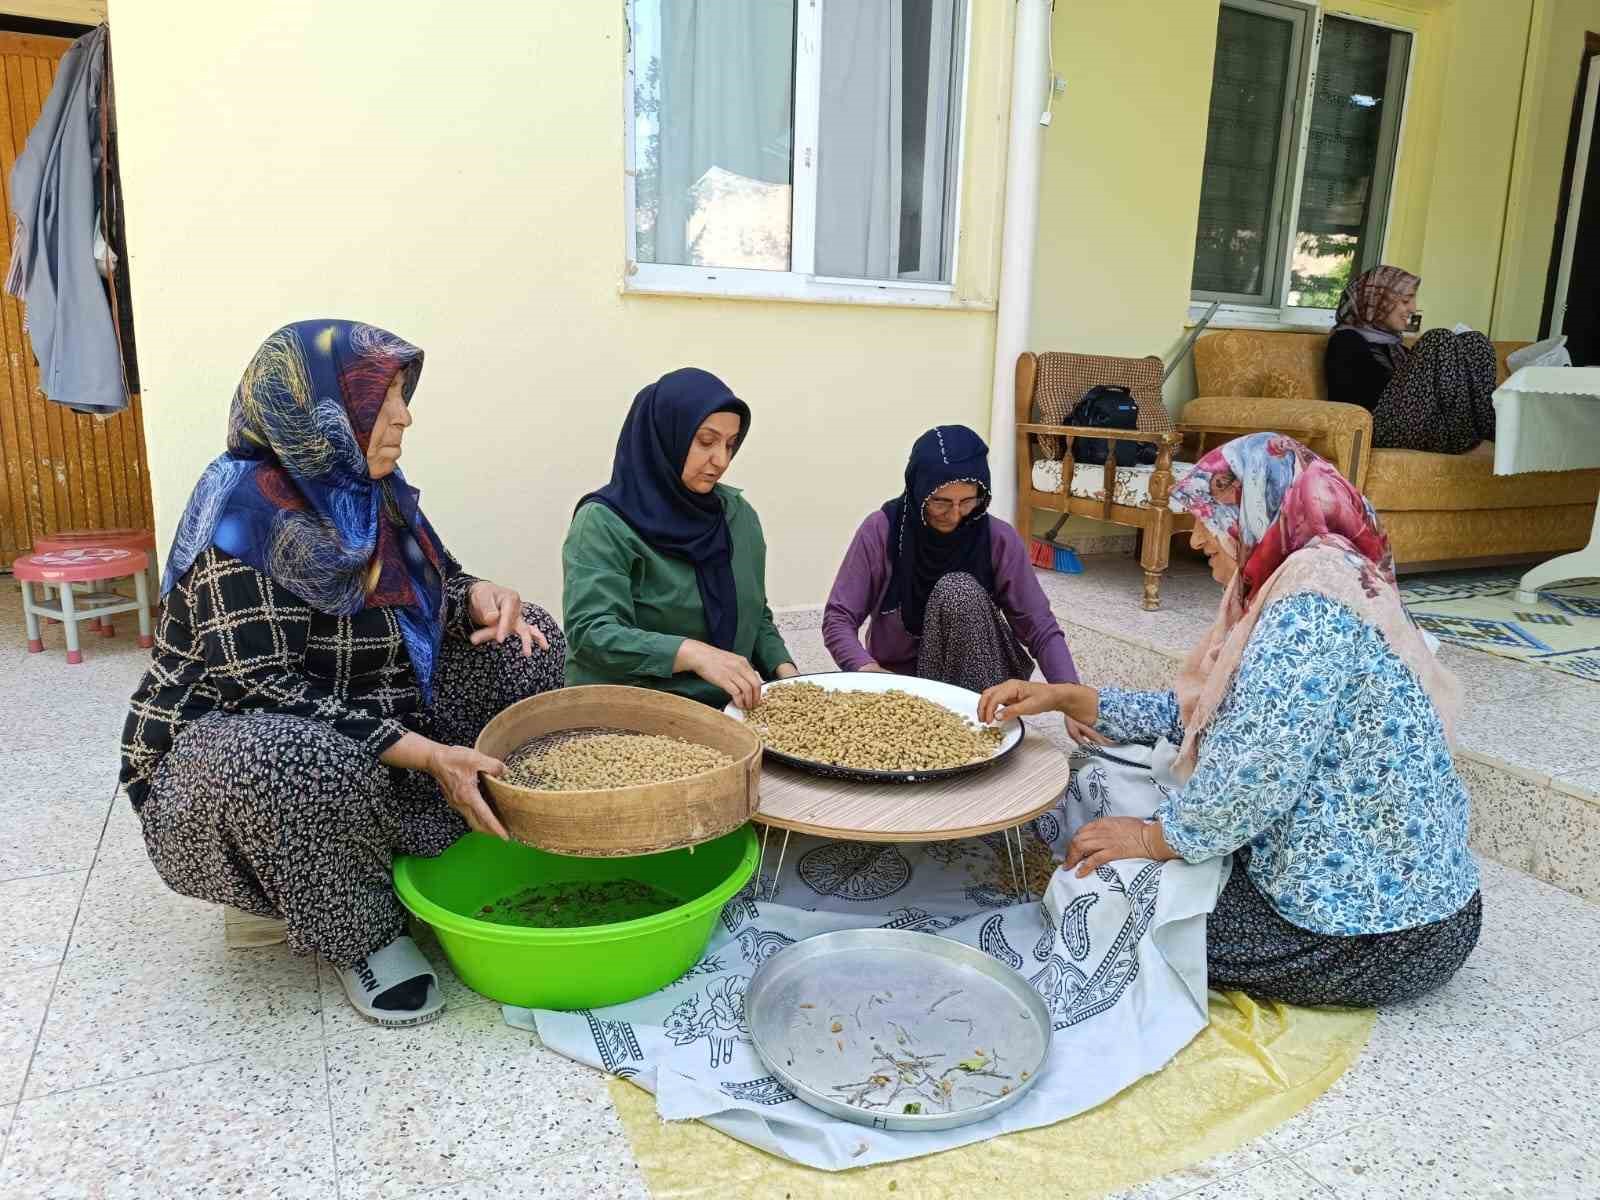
{"type": "Point", "coordinates": [1304, 22]}
{"type": "Point", "coordinates": [1262, 309]}
{"type": "Point", "coordinates": [800, 282]}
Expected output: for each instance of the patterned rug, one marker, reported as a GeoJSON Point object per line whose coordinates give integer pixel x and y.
{"type": "Point", "coordinates": [1480, 610]}
{"type": "Point", "coordinates": [1118, 959]}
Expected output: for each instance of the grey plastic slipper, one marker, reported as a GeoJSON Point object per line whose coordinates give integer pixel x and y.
{"type": "Point", "coordinates": [381, 970]}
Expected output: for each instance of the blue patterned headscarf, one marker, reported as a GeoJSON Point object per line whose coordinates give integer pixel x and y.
{"type": "Point", "coordinates": [292, 496]}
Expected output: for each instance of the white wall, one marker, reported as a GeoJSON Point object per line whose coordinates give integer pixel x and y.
{"type": "Point", "coordinates": [453, 171]}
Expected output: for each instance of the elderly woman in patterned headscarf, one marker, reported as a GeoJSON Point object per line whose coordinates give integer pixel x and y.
{"type": "Point", "coordinates": [322, 668]}
{"type": "Point", "coordinates": [1436, 395]}
{"type": "Point", "coordinates": [1313, 733]}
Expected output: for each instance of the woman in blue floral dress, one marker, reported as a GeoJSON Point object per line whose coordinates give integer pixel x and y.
{"type": "Point", "coordinates": [1314, 726]}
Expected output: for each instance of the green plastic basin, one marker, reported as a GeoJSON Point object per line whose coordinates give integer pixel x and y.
{"type": "Point", "coordinates": [571, 968]}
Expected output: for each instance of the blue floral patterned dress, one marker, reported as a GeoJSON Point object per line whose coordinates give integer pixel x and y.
{"type": "Point", "coordinates": [1327, 769]}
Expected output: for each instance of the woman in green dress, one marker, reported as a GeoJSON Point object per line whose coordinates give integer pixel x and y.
{"type": "Point", "coordinates": [665, 567]}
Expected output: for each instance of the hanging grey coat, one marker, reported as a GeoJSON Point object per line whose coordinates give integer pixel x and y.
{"type": "Point", "coordinates": [54, 194]}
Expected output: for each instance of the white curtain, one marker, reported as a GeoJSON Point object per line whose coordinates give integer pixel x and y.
{"type": "Point", "coordinates": [727, 69]}
{"type": "Point", "coordinates": [883, 168]}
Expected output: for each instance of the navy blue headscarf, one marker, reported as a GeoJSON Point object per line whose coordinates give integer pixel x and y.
{"type": "Point", "coordinates": [921, 555]}
{"type": "Point", "coordinates": [647, 489]}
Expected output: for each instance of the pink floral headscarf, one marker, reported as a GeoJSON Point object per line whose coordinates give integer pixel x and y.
{"type": "Point", "coordinates": [1295, 525]}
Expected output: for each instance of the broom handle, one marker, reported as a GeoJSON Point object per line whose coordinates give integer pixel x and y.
{"type": "Point", "coordinates": [1188, 342]}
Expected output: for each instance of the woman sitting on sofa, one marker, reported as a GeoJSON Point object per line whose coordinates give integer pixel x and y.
{"type": "Point", "coordinates": [1435, 395]}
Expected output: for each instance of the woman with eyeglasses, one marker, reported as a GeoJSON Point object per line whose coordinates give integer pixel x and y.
{"type": "Point", "coordinates": [945, 590]}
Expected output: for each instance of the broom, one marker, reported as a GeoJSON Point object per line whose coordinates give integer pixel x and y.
{"type": "Point", "coordinates": [1050, 554]}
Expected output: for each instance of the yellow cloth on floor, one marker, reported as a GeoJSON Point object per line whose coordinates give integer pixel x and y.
{"type": "Point", "coordinates": [1252, 1068]}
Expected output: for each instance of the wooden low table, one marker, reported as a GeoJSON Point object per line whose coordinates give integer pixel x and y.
{"type": "Point", "coordinates": [999, 799]}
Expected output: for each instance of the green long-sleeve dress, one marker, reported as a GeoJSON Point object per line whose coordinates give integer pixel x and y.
{"type": "Point", "coordinates": [627, 608]}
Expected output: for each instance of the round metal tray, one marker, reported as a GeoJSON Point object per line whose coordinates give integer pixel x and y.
{"type": "Point", "coordinates": [831, 1014]}
{"type": "Point", "coordinates": [958, 700]}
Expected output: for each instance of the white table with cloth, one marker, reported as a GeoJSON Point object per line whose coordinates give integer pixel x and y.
{"type": "Point", "coordinates": [1548, 419]}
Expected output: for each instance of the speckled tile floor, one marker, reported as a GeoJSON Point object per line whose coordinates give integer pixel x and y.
{"type": "Point", "coordinates": [138, 1058]}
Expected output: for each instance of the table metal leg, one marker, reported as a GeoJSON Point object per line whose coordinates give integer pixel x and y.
{"type": "Point", "coordinates": [1016, 876]}
{"type": "Point", "coordinates": [1580, 564]}
{"type": "Point", "coordinates": [777, 875]}
{"type": "Point", "coordinates": [761, 860]}
{"type": "Point", "coordinates": [1022, 866]}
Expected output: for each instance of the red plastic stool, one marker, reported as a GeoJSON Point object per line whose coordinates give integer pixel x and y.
{"type": "Point", "coordinates": [61, 569]}
{"type": "Point", "coordinates": [121, 539]}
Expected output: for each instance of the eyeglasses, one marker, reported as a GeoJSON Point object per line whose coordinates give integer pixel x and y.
{"type": "Point", "coordinates": [944, 508]}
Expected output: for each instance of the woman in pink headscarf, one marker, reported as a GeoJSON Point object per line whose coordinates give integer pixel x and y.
{"type": "Point", "coordinates": [1312, 735]}
{"type": "Point", "coordinates": [1436, 395]}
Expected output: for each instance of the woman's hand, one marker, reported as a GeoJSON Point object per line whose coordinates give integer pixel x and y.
{"type": "Point", "coordinates": [1086, 734]}
{"type": "Point", "coordinates": [1112, 838]}
{"type": "Point", "coordinates": [786, 671]}
{"type": "Point", "coordinates": [456, 768]}
{"type": "Point", "coordinates": [496, 614]}
{"type": "Point", "coordinates": [721, 668]}
{"type": "Point", "coordinates": [1016, 698]}
{"type": "Point", "coordinates": [875, 669]}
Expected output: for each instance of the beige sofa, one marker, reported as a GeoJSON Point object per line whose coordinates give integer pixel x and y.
{"type": "Point", "coordinates": [1436, 508]}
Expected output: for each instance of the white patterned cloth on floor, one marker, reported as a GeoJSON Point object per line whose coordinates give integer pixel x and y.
{"type": "Point", "coordinates": [1119, 958]}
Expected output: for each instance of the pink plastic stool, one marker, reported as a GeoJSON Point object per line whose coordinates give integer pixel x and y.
{"type": "Point", "coordinates": [121, 539]}
{"type": "Point", "coordinates": [60, 569]}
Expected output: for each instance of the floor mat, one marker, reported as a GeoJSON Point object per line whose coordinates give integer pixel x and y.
{"type": "Point", "coordinates": [1480, 610]}
{"type": "Point", "coordinates": [1252, 1068]}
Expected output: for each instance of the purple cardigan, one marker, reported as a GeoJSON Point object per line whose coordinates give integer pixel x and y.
{"type": "Point", "coordinates": [863, 579]}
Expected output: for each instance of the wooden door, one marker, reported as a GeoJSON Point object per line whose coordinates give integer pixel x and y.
{"type": "Point", "coordinates": [58, 469]}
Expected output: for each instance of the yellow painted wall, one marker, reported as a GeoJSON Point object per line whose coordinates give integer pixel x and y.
{"type": "Point", "coordinates": [454, 172]}
{"type": "Point", "coordinates": [1472, 159]}
{"type": "Point", "coordinates": [1123, 159]}
{"type": "Point", "coordinates": [78, 12]}
{"type": "Point", "coordinates": [1554, 58]}
{"type": "Point", "coordinates": [1120, 181]}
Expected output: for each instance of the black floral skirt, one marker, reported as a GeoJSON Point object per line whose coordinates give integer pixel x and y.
{"type": "Point", "coordinates": [1441, 398]}
{"type": "Point", "coordinates": [966, 639]}
{"type": "Point", "coordinates": [284, 816]}
{"type": "Point", "coordinates": [1250, 948]}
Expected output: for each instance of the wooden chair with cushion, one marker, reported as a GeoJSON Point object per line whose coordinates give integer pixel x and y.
{"type": "Point", "coordinates": [1048, 387]}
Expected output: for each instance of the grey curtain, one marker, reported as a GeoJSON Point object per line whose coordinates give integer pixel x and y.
{"type": "Point", "coordinates": [727, 85]}
{"type": "Point", "coordinates": [883, 172]}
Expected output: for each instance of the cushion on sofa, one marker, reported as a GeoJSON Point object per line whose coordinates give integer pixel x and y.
{"type": "Point", "coordinates": [1132, 486]}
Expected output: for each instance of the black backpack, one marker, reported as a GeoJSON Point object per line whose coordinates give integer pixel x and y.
{"type": "Point", "coordinates": [1109, 407]}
